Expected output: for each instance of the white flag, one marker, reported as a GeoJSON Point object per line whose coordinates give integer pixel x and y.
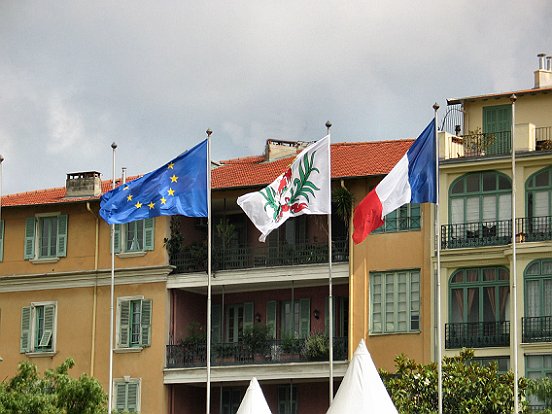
{"type": "Point", "coordinates": [303, 189]}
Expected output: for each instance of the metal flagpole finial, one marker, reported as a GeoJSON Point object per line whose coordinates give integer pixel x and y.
{"type": "Point", "coordinates": [513, 98]}
{"type": "Point", "coordinates": [1, 158]}
{"type": "Point", "coordinates": [209, 132]}
{"type": "Point", "coordinates": [328, 124]}
{"type": "Point", "coordinates": [113, 145]}
{"type": "Point", "coordinates": [435, 106]}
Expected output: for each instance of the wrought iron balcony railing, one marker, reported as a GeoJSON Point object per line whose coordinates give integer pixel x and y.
{"type": "Point", "coordinates": [194, 258]}
{"type": "Point", "coordinates": [537, 329]}
{"type": "Point", "coordinates": [495, 233]}
{"type": "Point", "coordinates": [477, 334]}
{"type": "Point", "coordinates": [484, 144]}
{"type": "Point", "coordinates": [478, 234]}
{"type": "Point", "coordinates": [534, 228]}
{"type": "Point", "coordinates": [239, 353]}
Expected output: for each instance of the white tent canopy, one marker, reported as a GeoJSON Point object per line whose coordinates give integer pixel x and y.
{"type": "Point", "coordinates": [254, 401]}
{"type": "Point", "coordinates": [362, 390]}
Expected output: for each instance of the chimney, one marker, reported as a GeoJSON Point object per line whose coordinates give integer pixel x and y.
{"type": "Point", "coordinates": [543, 75]}
{"type": "Point", "coordinates": [83, 184]}
{"type": "Point", "coordinates": [276, 149]}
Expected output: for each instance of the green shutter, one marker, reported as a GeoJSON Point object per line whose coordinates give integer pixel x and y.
{"type": "Point", "coordinates": [216, 320]}
{"type": "Point", "coordinates": [271, 318]}
{"type": "Point", "coordinates": [124, 323]}
{"type": "Point", "coordinates": [132, 397]}
{"type": "Point", "coordinates": [248, 310]}
{"type": "Point", "coordinates": [146, 322]}
{"type": "Point", "coordinates": [1, 240]}
{"type": "Point", "coordinates": [24, 345]}
{"type": "Point", "coordinates": [62, 235]}
{"type": "Point", "coordinates": [49, 321]}
{"type": "Point", "coordinates": [149, 234]}
{"type": "Point", "coordinates": [30, 227]}
{"type": "Point", "coordinates": [117, 238]}
{"type": "Point", "coordinates": [120, 396]}
{"type": "Point", "coordinates": [304, 328]}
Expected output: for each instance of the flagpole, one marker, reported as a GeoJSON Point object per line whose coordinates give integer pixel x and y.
{"type": "Point", "coordinates": [330, 298]}
{"type": "Point", "coordinates": [208, 402]}
{"type": "Point", "coordinates": [438, 264]}
{"type": "Point", "coordinates": [110, 384]}
{"type": "Point", "coordinates": [513, 271]}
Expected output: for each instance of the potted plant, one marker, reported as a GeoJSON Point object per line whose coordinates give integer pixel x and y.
{"type": "Point", "coordinates": [316, 347]}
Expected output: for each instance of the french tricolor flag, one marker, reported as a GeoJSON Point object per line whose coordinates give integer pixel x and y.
{"type": "Point", "coordinates": [412, 180]}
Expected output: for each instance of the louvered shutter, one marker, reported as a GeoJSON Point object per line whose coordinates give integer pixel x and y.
{"type": "Point", "coordinates": [271, 318]}
{"type": "Point", "coordinates": [248, 315]}
{"type": "Point", "coordinates": [49, 321]}
{"type": "Point", "coordinates": [146, 322]}
{"type": "Point", "coordinates": [132, 396]}
{"type": "Point", "coordinates": [216, 320]}
{"type": "Point", "coordinates": [120, 396]}
{"type": "Point", "coordinates": [149, 233]}
{"type": "Point", "coordinates": [124, 323]}
{"type": "Point", "coordinates": [62, 235]}
{"type": "Point", "coordinates": [117, 238]}
{"type": "Point", "coordinates": [305, 318]}
{"type": "Point", "coordinates": [30, 227]}
{"type": "Point", "coordinates": [24, 345]}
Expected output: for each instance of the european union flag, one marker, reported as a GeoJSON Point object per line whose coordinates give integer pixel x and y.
{"type": "Point", "coordinates": [178, 187]}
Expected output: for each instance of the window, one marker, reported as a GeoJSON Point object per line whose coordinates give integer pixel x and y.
{"type": "Point", "coordinates": [395, 301]}
{"type": "Point", "coordinates": [502, 362]}
{"type": "Point", "coordinates": [497, 127]}
{"type": "Point", "coordinates": [38, 324]}
{"type": "Point", "coordinates": [134, 322]}
{"type": "Point", "coordinates": [406, 217]}
{"type": "Point", "coordinates": [539, 203]}
{"type": "Point", "coordinates": [479, 295]}
{"type": "Point", "coordinates": [538, 289]}
{"type": "Point", "coordinates": [127, 395]}
{"type": "Point", "coordinates": [538, 366]}
{"type": "Point", "coordinates": [296, 319]}
{"type": "Point", "coordinates": [46, 237]}
{"type": "Point", "coordinates": [137, 236]}
{"type": "Point", "coordinates": [231, 400]}
{"type": "Point", "coordinates": [238, 318]}
{"type": "Point", "coordinates": [287, 399]}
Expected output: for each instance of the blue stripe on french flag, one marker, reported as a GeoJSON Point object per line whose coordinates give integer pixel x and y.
{"type": "Point", "coordinates": [412, 180]}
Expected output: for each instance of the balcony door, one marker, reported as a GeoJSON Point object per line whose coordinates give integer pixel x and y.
{"type": "Point", "coordinates": [538, 289]}
{"type": "Point", "coordinates": [238, 318]}
{"type": "Point", "coordinates": [497, 127]}
{"type": "Point", "coordinates": [539, 205]}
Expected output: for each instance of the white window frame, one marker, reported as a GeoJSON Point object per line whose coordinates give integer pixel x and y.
{"type": "Point", "coordinates": [34, 349]}
{"type": "Point", "coordinates": [121, 231]}
{"type": "Point", "coordinates": [127, 380]}
{"type": "Point", "coordinates": [130, 348]}
{"type": "Point", "coordinates": [410, 305]}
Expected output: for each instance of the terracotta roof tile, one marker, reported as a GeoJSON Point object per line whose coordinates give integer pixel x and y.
{"type": "Point", "coordinates": [359, 159]}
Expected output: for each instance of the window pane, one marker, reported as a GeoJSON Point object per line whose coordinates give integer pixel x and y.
{"type": "Point", "coordinates": [542, 179]}
{"type": "Point", "coordinates": [489, 181]}
{"type": "Point", "coordinates": [504, 183]}
{"type": "Point", "coordinates": [472, 183]}
{"type": "Point", "coordinates": [489, 208]}
{"type": "Point", "coordinates": [473, 305]}
{"type": "Point", "coordinates": [458, 187]}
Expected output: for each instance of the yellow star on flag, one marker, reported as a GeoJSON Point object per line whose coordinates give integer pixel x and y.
{"type": "Point", "coordinates": [163, 200]}
{"type": "Point", "coordinates": [138, 205]}
{"type": "Point", "coordinates": [171, 192]}
{"type": "Point", "coordinates": [151, 205]}
{"type": "Point", "coordinates": [174, 179]}
{"type": "Point", "coordinates": [171, 166]}
{"type": "Point", "coordinates": [129, 197]}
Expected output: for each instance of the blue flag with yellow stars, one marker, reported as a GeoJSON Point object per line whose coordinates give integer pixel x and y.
{"type": "Point", "coordinates": [178, 187]}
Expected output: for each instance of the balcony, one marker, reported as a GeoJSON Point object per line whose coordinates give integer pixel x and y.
{"type": "Point", "coordinates": [477, 334]}
{"type": "Point", "coordinates": [477, 234]}
{"type": "Point", "coordinates": [495, 233]}
{"type": "Point", "coordinates": [194, 258]}
{"type": "Point", "coordinates": [276, 351]}
{"type": "Point", "coordinates": [481, 144]}
{"type": "Point", "coordinates": [537, 329]}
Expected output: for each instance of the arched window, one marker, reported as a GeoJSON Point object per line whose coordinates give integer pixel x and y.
{"type": "Point", "coordinates": [538, 288]}
{"type": "Point", "coordinates": [479, 295]}
{"type": "Point", "coordinates": [480, 197]}
{"type": "Point", "coordinates": [538, 189]}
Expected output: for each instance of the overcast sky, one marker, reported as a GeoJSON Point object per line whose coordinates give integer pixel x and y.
{"type": "Point", "coordinates": [154, 75]}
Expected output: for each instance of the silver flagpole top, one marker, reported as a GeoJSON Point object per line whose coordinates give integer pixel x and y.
{"type": "Point", "coordinates": [435, 106]}
{"type": "Point", "coordinates": [513, 98]}
{"type": "Point", "coordinates": [209, 132]}
{"type": "Point", "coordinates": [113, 145]}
